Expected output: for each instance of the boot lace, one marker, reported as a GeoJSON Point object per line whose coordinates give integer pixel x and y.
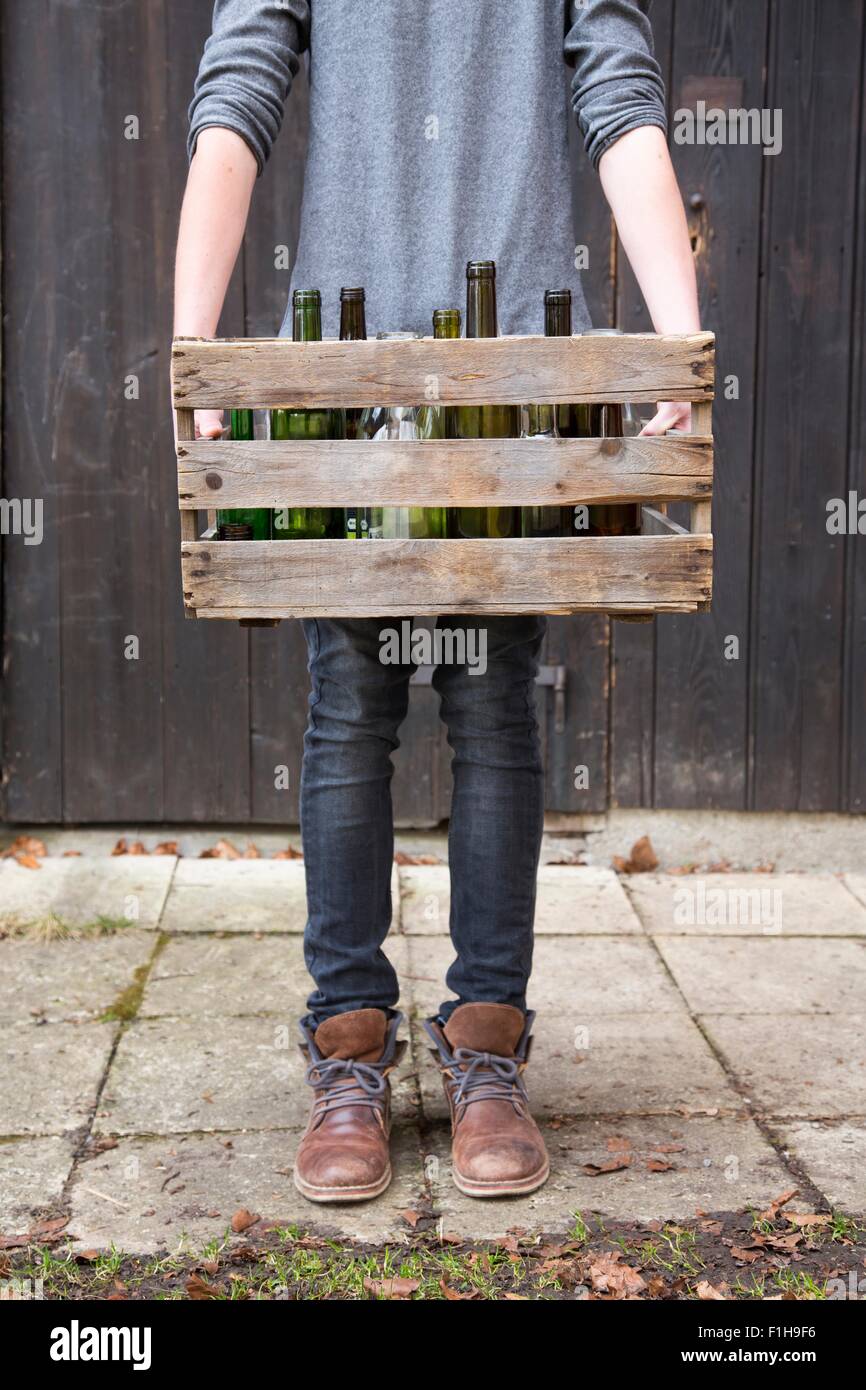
{"type": "Point", "coordinates": [339, 1082]}
{"type": "Point", "coordinates": [485, 1076]}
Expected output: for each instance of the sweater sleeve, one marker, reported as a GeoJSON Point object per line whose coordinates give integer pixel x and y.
{"type": "Point", "coordinates": [247, 69]}
{"type": "Point", "coordinates": [617, 84]}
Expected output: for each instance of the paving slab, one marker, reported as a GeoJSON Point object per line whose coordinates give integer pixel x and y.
{"type": "Point", "coordinates": [746, 905]}
{"type": "Point", "coordinates": [237, 895]}
{"type": "Point", "coordinates": [722, 1165]}
{"type": "Point", "coordinates": [33, 1173]}
{"type": "Point", "coordinates": [50, 1075]}
{"type": "Point", "coordinates": [834, 1156]}
{"type": "Point", "coordinates": [609, 1064]}
{"type": "Point", "coordinates": [150, 1194]}
{"type": "Point", "coordinates": [573, 975]}
{"type": "Point", "coordinates": [767, 975]}
{"type": "Point", "coordinates": [127, 888]}
{"type": "Point", "coordinates": [570, 901]}
{"type": "Point", "coordinates": [71, 980]}
{"type": "Point", "coordinates": [204, 1074]}
{"type": "Point", "coordinates": [239, 975]}
{"type": "Point", "coordinates": [856, 884]}
{"type": "Point", "coordinates": [809, 1065]}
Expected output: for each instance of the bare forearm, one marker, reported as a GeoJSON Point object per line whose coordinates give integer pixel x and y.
{"type": "Point", "coordinates": [641, 188]}
{"type": "Point", "coordinates": [212, 223]}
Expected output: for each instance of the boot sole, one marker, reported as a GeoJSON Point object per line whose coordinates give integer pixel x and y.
{"type": "Point", "coordinates": [343, 1194]}
{"type": "Point", "coordinates": [518, 1188]}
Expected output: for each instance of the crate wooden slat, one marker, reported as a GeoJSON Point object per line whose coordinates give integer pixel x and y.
{"type": "Point", "coordinates": [266, 373]}
{"type": "Point", "coordinates": [466, 472]}
{"type": "Point", "coordinates": [268, 579]}
{"type": "Point", "coordinates": [665, 569]}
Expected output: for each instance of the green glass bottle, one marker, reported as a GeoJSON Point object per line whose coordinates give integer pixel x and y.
{"type": "Point", "coordinates": [573, 421]}
{"type": "Point", "coordinates": [435, 422]}
{"type": "Point", "coordinates": [236, 521]}
{"type": "Point", "coordinates": [539, 422]}
{"type": "Point", "coordinates": [360, 523]}
{"type": "Point", "coordinates": [307, 523]}
{"type": "Point", "coordinates": [484, 421]}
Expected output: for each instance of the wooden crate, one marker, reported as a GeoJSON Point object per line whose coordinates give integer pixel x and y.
{"type": "Point", "coordinates": [667, 569]}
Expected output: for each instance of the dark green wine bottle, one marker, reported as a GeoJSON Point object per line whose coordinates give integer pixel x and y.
{"type": "Point", "coordinates": [573, 421]}
{"type": "Point", "coordinates": [307, 523]}
{"type": "Point", "coordinates": [359, 523]}
{"type": "Point", "coordinates": [234, 523]}
{"type": "Point", "coordinates": [435, 422]}
{"type": "Point", "coordinates": [484, 421]}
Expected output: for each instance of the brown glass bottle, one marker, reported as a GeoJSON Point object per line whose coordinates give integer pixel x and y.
{"type": "Point", "coordinates": [484, 421]}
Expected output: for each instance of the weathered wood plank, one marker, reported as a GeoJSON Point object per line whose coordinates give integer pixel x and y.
{"type": "Point", "coordinates": [455, 472]}
{"type": "Point", "coordinates": [271, 372]}
{"type": "Point", "coordinates": [804, 379]}
{"type": "Point", "coordinates": [342, 578]}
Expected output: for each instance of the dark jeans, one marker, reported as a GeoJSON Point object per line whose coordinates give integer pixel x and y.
{"type": "Point", "coordinates": [356, 707]}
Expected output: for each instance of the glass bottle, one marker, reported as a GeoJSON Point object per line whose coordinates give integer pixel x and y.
{"type": "Point", "coordinates": [307, 523]}
{"type": "Point", "coordinates": [484, 421]}
{"type": "Point", "coordinates": [257, 520]}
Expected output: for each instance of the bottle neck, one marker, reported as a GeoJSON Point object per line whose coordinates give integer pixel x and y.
{"type": "Point", "coordinates": [557, 320]}
{"type": "Point", "coordinates": [353, 320]}
{"type": "Point", "coordinates": [307, 322]}
{"type": "Point", "coordinates": [447, 327]}
{"type": "Point", "coordinates": [481, 307]}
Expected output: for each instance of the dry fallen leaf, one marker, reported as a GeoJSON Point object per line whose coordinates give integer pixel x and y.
{"type": "Point", "coordinates": [197, 1288]}
{"type": "Point", "coordinates": [708, 1294]}
{"type": "Point", "coordinates": [167, 847]}
{"type": "Point", "coordinates": [25, 844]}
{"type": "Point", "coordinates": [453, 1295]}
{"type": "Point", "coordinates": [251, 852]}
{"type": "Point", "coordinates": [642, 859]}
{"type": "Point", "coordinates": [401, 857]}
{"type": "Point", "coordinates": [801, 1218]}
{"type": "Point", "coordinates": [608, 1275]}
{"type": "Point", "coordinates": [777, 1203]}
{"type": "Point", "coordinates": [223, 849]}
{"type": "Point", "coordinates": [748, 1256]}
{"type": "Point", "coordinates": [410, 1217]}
{"type": "Point", "coordinates": [660, 1165]}
{"type": "Point", "coordinates": [243, 1219]}
{"type": "Point", "coordinates": [392, 1288]}
{"type": "Point", "coordinates": [613, 1165]}
{"type": "Point", "coordinates": [27, 861]}
{"type": "Point", "coordinates": [289, 853]}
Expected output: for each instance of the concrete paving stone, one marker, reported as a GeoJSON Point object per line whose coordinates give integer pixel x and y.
{"type": "Point", "coordinates": [763, 975]}
{"type": "Point", "coordinates": [609, 1064]}
{"type": "Point", "coordinates": [33, 1174]}
{"type": "Point", "coordinates": [68, 980]}
{"type": "Point", "coordinates": [50, 1075]}
{"type": "Point", "coordinates": [128, 888]}
{"type": "Point", "coordinates": [150, 1194]}
{"type": "Point", "coordinates": [576, 976]}
{"type": "Point", "coordinates": [722, 1165]}
{"type": "Point", "coordinates": [746, 905]}
{"type": "Point", "coordinates": [856, 883]}
{"type": "Point", "coordinates": [237, 895]}
{"type": "Point", "coordinates": [192, 1074]}
{"type": "Point", "coordinates": [808, 1065]}
{"type": "Point", "coordinates": [236, 976]}
{"type": "Point", "coordinates": [834, 1156]}
{"type": "Point", "coordinates": [571, 901]}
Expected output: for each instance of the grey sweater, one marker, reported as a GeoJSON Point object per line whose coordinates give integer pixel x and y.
{"type": "Point", "coordinates": [438, 134]}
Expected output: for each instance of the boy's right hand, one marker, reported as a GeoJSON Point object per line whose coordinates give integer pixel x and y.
{"type": "Point", "coordinates": [209, 424]}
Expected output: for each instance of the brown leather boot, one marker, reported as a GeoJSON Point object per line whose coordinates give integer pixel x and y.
{"type": "Point", "coordinates": [497, 1149]}
{"type": "Point", "coordinates": [343, 1156]}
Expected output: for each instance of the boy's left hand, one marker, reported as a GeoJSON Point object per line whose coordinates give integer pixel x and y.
{"type": "Point", "coordinates": [671, 415]}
